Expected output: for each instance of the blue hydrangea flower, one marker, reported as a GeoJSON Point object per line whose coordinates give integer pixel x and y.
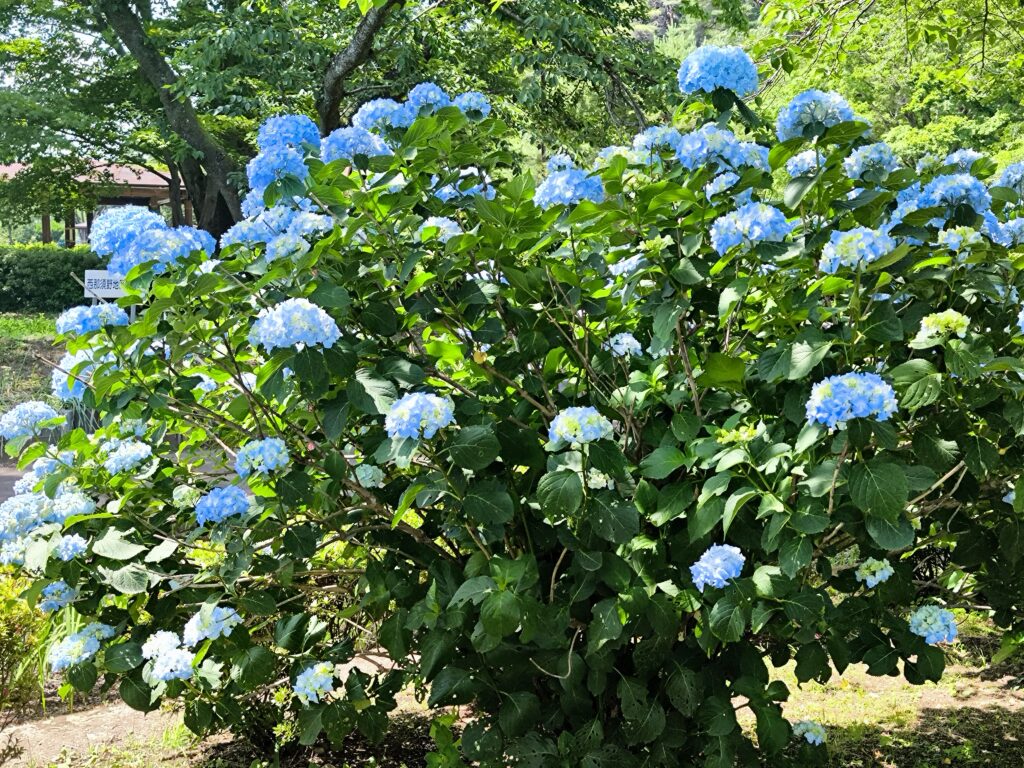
{"type": "Point", "coordinates": [69, 378]}
{"type": "Point", "coordinates": [444, 229]}
{"type": "Point", "coordinates": [927, 163]}
{"type": "Point", "coordinates": [460, 188]}
{"type": "Point", "coordinates": [315, 681]}
{"type": "Point", "coordinates": [261, 457]}
{"type": "Point", "coordinates": [273, 165]}
{"type": "Point", "coordinates": [67, 505]}
{"type": "Point", "coordinates": [579, 424]}
{"type": "Point", "coordinates": [963, 159]}
{"type": "Point", "coordinates": [20, 515]}
{"type": "Point", "coordinates": [74, 649]}
{"type": "Point", "coordinates": [1013, 177]}
{"type": "Point", "coordinates": [70, 546]}
{"type": "Point", "coordinates": [419, 414]}
{"type": "Point", "coordinates": [168, 660]}
{"type": "Point", "coordinates": [369, 476]}
{"type": "Point", "coordinates": [876, 160]}
{"type": "Point", "coordinates": [811, 108]}
{"type": "Point", "coordinates": [374, 113]}
{"type": "Point", "coordinates": [804, 164]}
{"type": "Point", "coordinates": [657, 139]}
{"type": "Point", "coordinates": [753, 223]}
{"type": "Point", "coordinates": [55, 596]}
{"type": "Point", "coordinates": [813, 733]}
{"type": "Point", "coordinates": [873, 572]}
{"type": "Point", "coordinates": [272, 223]}
{"type": "Point", "coordinates": [560, 161]}
{"type": "Point", "coordinates": [79, 320]}
{"type": "Point", "coordinates": [209, 623]}
{"type": "Point", "coordinates": [628, 266]}
{"type": "Point", "coordinates": [348, 143]}
{"type": "Point", "coordinates": [294, 323]}
{"type": "Point", "coordinates": [712, 66]}
{"type": "Point", "coordinates": [721, 183]}
{"type": "Point", "coordinates": [950, 191]}
{"type": "Point", "coordinates": [717, 566]}
{"type": "Point", "coordinates": [1010, 497]}
{"type": "Point", "coordinates": [25, 419]}
{"type": "Point", "coordinates": [569, 187]}
{"type": "Point", "coordinates": [426, 98]}
{"type": "Point", "coordinates": [287, 131]}
{"type": "Point", "coordinates": [220, 504]}
{"type": "Point", "coordinates": [473, 104]}
{"type": "Point", "coordinates": [126, 455]}
{"type": "Point", "coordinates": [711, 144]}
{"type": "Point", "coordinates": [1020, 320]}
{"type": "Point", "coordinates": [623, 345]}
{"type": "Point", "coordinates": [936, 625]}
{"type": "Point", "coordinates": [854, 248]}
{"type": "Point", "coordinates": [605, 155]}
{"type": "Point", "coordinates": [165, 246]}
{"type": "Point", "coordinates": [837, 399]}
{"type": "Point", "coordinates": [115, 230]}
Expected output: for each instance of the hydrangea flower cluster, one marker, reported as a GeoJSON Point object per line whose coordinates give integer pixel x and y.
{"type": "Point", "coordinates": [273, 165]}
{"type": "Point", "coordinates": [294, 323]}
{"type": "Point", "coordinates": [70, 546]}
{"type": "Point", "coordinates": [79, 647]}
{"type": "Point", "coordinates": [374, 114]}
{"type": "Point", "coordinates": [837, 399]}
{"type": "Point", "coordinates": [872, 160]}
{"type": "Point", "coordinates": [168, 660]}
{"type": "Point", "coordinates": [261, 457]}
{"type": "Point", "coordinates": [873, 572]}
{"type": "Point", "coordinates": [813, 733]}
{"type": "Point", "coordinates": [25, 419]}
{"type": "Point", "coordinates": [804, 164]}
{"type": "Point", "coordinates": [69, 378]}
{"type": "Point", "coordinates": [445, 229]}
{"type": "Point", "coordinates": [751, 224]}
{"type": "Point", "coordinates": [559, 161]}
{"type": "Point", "coordinates": [314, 682]}
{"type": "Point", "coordinates": [115, 230]}
{"type": "Point", "coordinates": [1013, 177]}
{"type": "Point", "coordinates": [854, 248]}
{"type": "Point", "coordinates": [348, 143]}
{"type": "Point", "coordinates": [959, 238]}
{"type": "Point", "coordinates": [717, 566]}
{"type": "Point", "coordinates": [460, 189]}
{"type": "Point", "coordinates": [711, 67]}
{"type": "Point", "coordinates": [419, 414]}
{"type": "Point", "coordinates": [711, 144]}
{"type": "Point", "coordinates": [369, 476]}
{"type": "Point", "coordinates": [473, 105]}
{"type": "Point", "coordinates": [285, 131]}
{"type": "Point", "coordinates": [56, 595]}
{"type": "Point", "coordinates": [79, 320]}
{"type": "Point", "coordinates": [422, 99]}
{"type": "Point", "coordinates": [936, 625]}
{"type": "Point", "coordinates": [280, 227]}
{"type": "Point", "coordinates": [220, 504]}
{"type": "Point", "coordinates": [723, 182]}
{"type": "Point", "coordinates": [963, 159]}
{"type": "Point", "coordinates": [624, 345]}
{"type": "Point", "coordinates": [812, 108]}
{"type": "Point", "coordinates": [953, 190]}
{"type": "Point", "coordinates": [579, 425]}
{"type": "Point", "coordinates": [569, 187]}
{"type": "Point", "coordinates": [166, 246]}
{"type": "Point", "coordinates": [123, 456]}
{"type": "Point", "coordinates": [944, 323]}
{"type": "Point", "coordinates": [209, 623]}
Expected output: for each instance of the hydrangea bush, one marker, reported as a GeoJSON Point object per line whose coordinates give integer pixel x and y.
{"type": "Point", "coordinates": [589, 453]}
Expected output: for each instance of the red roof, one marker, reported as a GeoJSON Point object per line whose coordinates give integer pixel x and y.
{"type": "Point", "coordinates": [121, 174]}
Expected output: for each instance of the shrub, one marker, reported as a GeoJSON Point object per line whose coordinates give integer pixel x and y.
{"type": "Point", "coordinates": [19, 628]}
{"type": "Point", "coordinates": [37, 278]}
{"type": "Point", "coordinates": [598, 462]}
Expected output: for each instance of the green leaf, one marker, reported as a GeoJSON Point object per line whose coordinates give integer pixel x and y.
{"type": "Point", "coordinates": [728, 618]}
{"type": "Point", "coordinates": [717, 716]}
{"type": "Point", "coordinates": [500, 613]}
{"type": "Point", "coordinates": [136, 693]}
{"type": "Point", "coordinates": [917, 383]}
{"type": "Point", "coordinates": [614, 519]}
{"type": "Point", "coordinates": [114, 545]}
{"type": "Point", "coordinates": [82, 676]}
{"type": "Point", "coordinates": [890, 534]}
{"type": "Point", "coordinates": [606, 624]}
{"type": "Point", "coordinates": [684, 690]}
{"type": "Point", "coordinates": [473, 590]}
{"type": "Point", "coordinates": [132, 579]}
{"type": "Point", "coordinates": [253, 667]}
{"type": "Point", "coordinates": [487, 502]}
{"type": "Point", "coordinates": [560, 494]}
{"type": "Point", "coordinates": [370, 394]}
{"type": "Point", "coordinates": [123, 657]}
{"type": "Point", "coordinates": [724, 371]}
{"type": "Point", "coordinates": [519, 712]}
{"type": "Point", "coordinates": [662, 462]}
{"type": "Point", "coordinates": [475, 447]}
{"type": "Point", "coordinates": [879, 489]}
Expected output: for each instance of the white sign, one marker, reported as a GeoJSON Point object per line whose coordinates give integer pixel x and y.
{"type": "Point", "coordinates": [101, 284]}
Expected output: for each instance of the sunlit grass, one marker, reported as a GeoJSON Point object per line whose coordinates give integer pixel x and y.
{"type": "Point", "coordinates": [26, 327]}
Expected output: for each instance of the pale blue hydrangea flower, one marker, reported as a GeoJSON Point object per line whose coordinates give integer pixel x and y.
{"type": "Point", "coordinates": [873, 572]}
{"type": "Point", "coordinates": [460, 188]}
{"type": "Point", "coordinates": [20, 515]}
{"type": "Point", "coordinates": [721, 183]}
{"type": "Point", "coordinates": [951, 190]}
{"type": "Point", "coordinates": [79, 320]}
{"type": "Point", "coordinates": [273, 165]}
{"type": "Point", "coordinates": [712, 66]}
{"type": "Point", "coordinates": [419, 414]}
{"type": "Point", "coordinates": [166, 247]}
{"type": "Point", "coordinates": [115, 230]}
{"type": "Point", "coordinates": [579, 424]}
{"type": "Point", "coordinates": [445, 229]}
{"type": "Point", "coordinates": [854, 248]}
{"type": "Point", "coordinates": [294, 323]}
{"type": "Point", "coordinates": [68, 505]}
{"type": "Point", "coordinates": [209, 623]}
{"type": "Point", "coordinates": [813, 733]}
{"type": "Point", "coordinates": [876, 160]}
{"type": "Point", "coordinates": [314, 682]}
{"type": "Point", "coordinates": [348, 143]}
{"type": "Point", "coordinates": [711, 144]}
{"type": "Point", "coordinates": [936, 625]}
{"type": "Point", "coordinates": [627, 266]}
{"type": "Point", "coordinates": [12, 552]}
{"type": "Point", "coordinates": [70, 546]}
{"type": "Point", "coordinates": [717, 566]}
{"type": "Point", "coordinates": [623, 345]}
{"type": "Point", "coordinates": [220, 504]}
{"type": "Point", "coordinates": [569, 187]}
{"type": "Point", "coordinates": [69, 378]}
{"type": "Point", "coordinates": [288, 245]}
{"type": "Point", "coordinates": [811, 108]}
{"type": "Point", "coordinates": [185, 496]}
{"type": "Point", "coordinates": [1007, 234]}
{"type": "Point", "coordinates": [753, 223]}
{"type": "Point", "coordinates": [804, 164]}
{"type": "Point", "coordinates": [559, 161]}
{"type": "Point", "coordinates": [370, 476]}
{"type": "Point", "coordinates": [25, 419]}
{"type": "Point", "coordinates": [79, 647]}
{"type": "Point", "coordinates": [959, 238]}
{"type": "Point", "coordinates": [127, 455]}
{"type": "Point", "coordinates": [271, 223]}
{"type": "Point", "coordinates": [927, 163]}
{"type": "Point", "coordinates": [55, 596]}
{"type": "Point", "coordinates": [605, 156]}
{"type": "Point", "coordinates": [652, 142]}
{"type": "Point", "coordinates": [427, 97]}
{"type": "Point", "coordinates": [168, 659]}
{"type": "Point", "coordinates": [261, 457]}
{"type": "Point", "coordinates": [374, 113]}
{"type": "Point", "coordinates": [40, 469]}
{"type": "Point", "coordinates": [1013, 177]}
{"type": "Point", "coordinates": [837, 399]}
{"type": "Point", "coordinates": [473, 105]}
{"type": "Point", "coordinates": [282, 131]}
{"type": "Point", "coordinates": [1020, 320]}
{"type": "Point", "coordinates": [963, 159]}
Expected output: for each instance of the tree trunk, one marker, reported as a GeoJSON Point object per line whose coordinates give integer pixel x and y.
{"type": "Point", "coordinates": [174, 194]}
{"type": "Point", "coordinates": [208, 178]}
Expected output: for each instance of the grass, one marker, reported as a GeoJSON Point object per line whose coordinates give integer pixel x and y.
{"type": "Point", "coordinates": [23, 340]}
{"type": "Point", "coordinates": [26, 327]}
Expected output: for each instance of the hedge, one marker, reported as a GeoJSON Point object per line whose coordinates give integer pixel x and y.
{"type": "Point", "coordinates": [37, 278]}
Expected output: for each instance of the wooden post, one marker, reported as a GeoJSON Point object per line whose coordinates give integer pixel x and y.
{"type": "Point", "coordinates": [69, 230]}
{"type": "Point", "coordinates": [188, 212]}
{"type": "Point", "coordinates": [47, 232]}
